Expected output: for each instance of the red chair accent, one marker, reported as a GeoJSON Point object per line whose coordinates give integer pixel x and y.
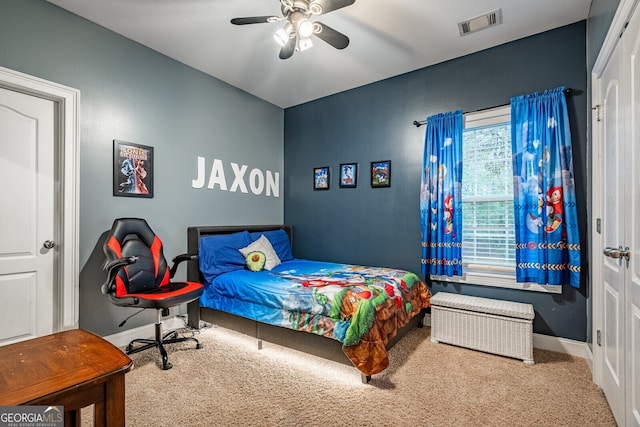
{"type": "Point", "coordinates": [138, 276]}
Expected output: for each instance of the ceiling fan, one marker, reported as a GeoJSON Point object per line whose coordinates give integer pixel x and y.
{"type": "Point", "coordinates": [296, 33]}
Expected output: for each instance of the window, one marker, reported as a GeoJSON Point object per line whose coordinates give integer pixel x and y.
{"type": "Point", "coordinates": [488, 230]}
{"type": "Point", "coordinates": [488, 236]}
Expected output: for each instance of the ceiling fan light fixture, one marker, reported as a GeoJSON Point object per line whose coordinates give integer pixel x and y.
{"type": "Point", "coordinates": [304, 43]}
{"type": "Point", "coordinates": [298, 30]}
{"type": "Point", "coordinates": [305, 28]}
{"type": "Point", "coordinates": [281, 36]}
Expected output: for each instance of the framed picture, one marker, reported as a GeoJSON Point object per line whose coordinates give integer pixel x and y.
{"type": "Point", "coordinates": [321, 178]}
{"type": "Point", "coordinates": [132, 170]}
{"type": "Point", "coordinates": [348, 175]}
{"type": "Point", "coordinates": [381, 174]}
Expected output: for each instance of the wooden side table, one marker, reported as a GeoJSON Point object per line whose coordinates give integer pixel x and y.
{"type": "Point", "coordinates": [73, 369]}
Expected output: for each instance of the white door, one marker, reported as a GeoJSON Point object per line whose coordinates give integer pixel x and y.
{"type": "Point", "coordinates": [619, 292]}
{"type": "Point", "coordinates": [27, 281]}
{"type": "Point", "coordinates": [632, 280]}
{"type": "Point", "coordinates": [612, 339]}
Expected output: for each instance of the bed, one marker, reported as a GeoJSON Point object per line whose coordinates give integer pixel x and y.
{"type": "Point", "coordinates": [347, 313]}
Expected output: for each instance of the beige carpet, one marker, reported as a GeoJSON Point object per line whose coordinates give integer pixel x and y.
{"type": "Point", "coordinates": [231, 383]}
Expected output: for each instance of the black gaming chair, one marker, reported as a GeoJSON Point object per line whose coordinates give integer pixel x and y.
{"type": "Point", "coordinates": [138, 276]}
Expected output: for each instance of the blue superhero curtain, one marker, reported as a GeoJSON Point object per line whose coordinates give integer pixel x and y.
{"type": "Point", "coordinates": [440, 196]}
{"type": "Point", "coordinates": [547, 238]}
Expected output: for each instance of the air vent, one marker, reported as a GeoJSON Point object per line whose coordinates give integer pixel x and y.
{"type": "Point", "coordinates": [481, 22]}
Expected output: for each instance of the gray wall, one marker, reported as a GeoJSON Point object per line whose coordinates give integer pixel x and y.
{"type": "Point", "coordinates": [132, 93]}
{"type": "Point", "coordinates": [381, 226]}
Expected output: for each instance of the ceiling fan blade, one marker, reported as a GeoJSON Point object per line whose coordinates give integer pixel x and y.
{"type": "Point", "coordinates": [331, 36]}
{"type": "Point", "coordinates": [287, 50]}
{"type": "Point", "coordinates": [254, 20]}
{"type": "Point", "coordinates": [331, 5]}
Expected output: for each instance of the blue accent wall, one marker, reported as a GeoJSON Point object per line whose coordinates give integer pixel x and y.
{"type": "Point", "coordinates": [380, 226]}
{"type": "Point", "coordinates": [601, 15]}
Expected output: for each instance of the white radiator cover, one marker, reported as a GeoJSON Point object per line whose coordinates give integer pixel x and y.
{"type": "Point", "coordinates": [493, 326]}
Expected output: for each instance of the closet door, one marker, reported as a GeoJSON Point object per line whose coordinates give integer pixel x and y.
{"type": "Point", "coordinates": [632, 282]}
{"type": "Point", "coordinates": [619, 291]}
{"type": "Point", "coordinates": [613, 229]}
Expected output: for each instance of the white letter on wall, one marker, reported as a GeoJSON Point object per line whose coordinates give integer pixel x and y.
{"type": "Point", "coordinates": [199, 182]}
{"type": "Point", "coordinates": [256, 175]}
{"type": "Point", "coordinates": [273, 184]}
{"type": "Point", "coordinates": [239, 179]}
{"type": "Point", "coordinates": [217, 175]}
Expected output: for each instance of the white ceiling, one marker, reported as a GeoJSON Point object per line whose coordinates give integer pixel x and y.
{"type": "Point", "coordinates": [387, 38]}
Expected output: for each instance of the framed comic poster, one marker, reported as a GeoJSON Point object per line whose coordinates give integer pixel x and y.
{"type": "Point", "coordinates": [132, 169]}
{"type": "Point", "coordinates": [348, 175]}
{"type": "Point", "coordinates": [381, 174]}
{"type": "Point", "coordinates": [321, 178]}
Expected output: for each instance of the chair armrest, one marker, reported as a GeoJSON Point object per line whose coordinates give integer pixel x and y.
{"type": "Point", "coordinates": [178, 259]}
{"type": "Point", "coordinates": [113, 267]}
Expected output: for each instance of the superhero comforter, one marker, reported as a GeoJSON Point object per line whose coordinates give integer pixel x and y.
{"type": "Point", "coordinates": [362, 307]}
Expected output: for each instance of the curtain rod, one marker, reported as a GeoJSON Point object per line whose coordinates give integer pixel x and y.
{"type": "Point", "coordinates": [417, 123]}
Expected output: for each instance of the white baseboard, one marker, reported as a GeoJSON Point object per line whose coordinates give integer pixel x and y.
{"type": "Point", "coordinates": [589, 357]}
{"type": "Point", "coordinates": [427, 319]}
{"type": "Point", "coordinates": [543, 342]}
{"type": "Point", "coordinates": [123, 338]}
{"type": "Point", "coordinates": [563, 345]}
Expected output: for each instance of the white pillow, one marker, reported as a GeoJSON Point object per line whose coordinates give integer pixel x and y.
{"type": "Point", "coordinates": [263, 245]}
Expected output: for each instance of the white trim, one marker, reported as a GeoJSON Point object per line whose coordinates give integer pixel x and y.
{"type": "Point", "coordinates": [542, 342]}
{"type": "Point", "coordinates": [497, 280]}
{"type": "Point", "coordinates": [597, 205]}
{"type": "Point", "coordinates": [589, 357]}
{"type": "Point", "coordinates": [623, 13]}
{"type": "Point", "coordinates": [563, 345]}
{"type": "Point", "coordinates": [68, 102]}
{"type": "Point", "coordinates": [123, 338]}
{"type": "Point", "coordinates": [491, 116]}
{"type": "Point", "coordinates": [426, 321]}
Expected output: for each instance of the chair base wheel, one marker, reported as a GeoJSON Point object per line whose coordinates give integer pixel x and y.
{"type": "Point", "coordinates": [159, 343]}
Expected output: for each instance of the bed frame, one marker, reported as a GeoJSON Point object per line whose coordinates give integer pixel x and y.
{"type": "Point", "coordinates": [316, 345]}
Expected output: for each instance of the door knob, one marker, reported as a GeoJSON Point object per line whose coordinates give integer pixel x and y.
{"type": "Point", "coordinates": [617, 253]}
{"type": "Point", "coordinates": [49, 244]}
{"type": "Point", "coordinates": [624, 253]}
{"type": "Point", "coordinates": [611, 252]}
